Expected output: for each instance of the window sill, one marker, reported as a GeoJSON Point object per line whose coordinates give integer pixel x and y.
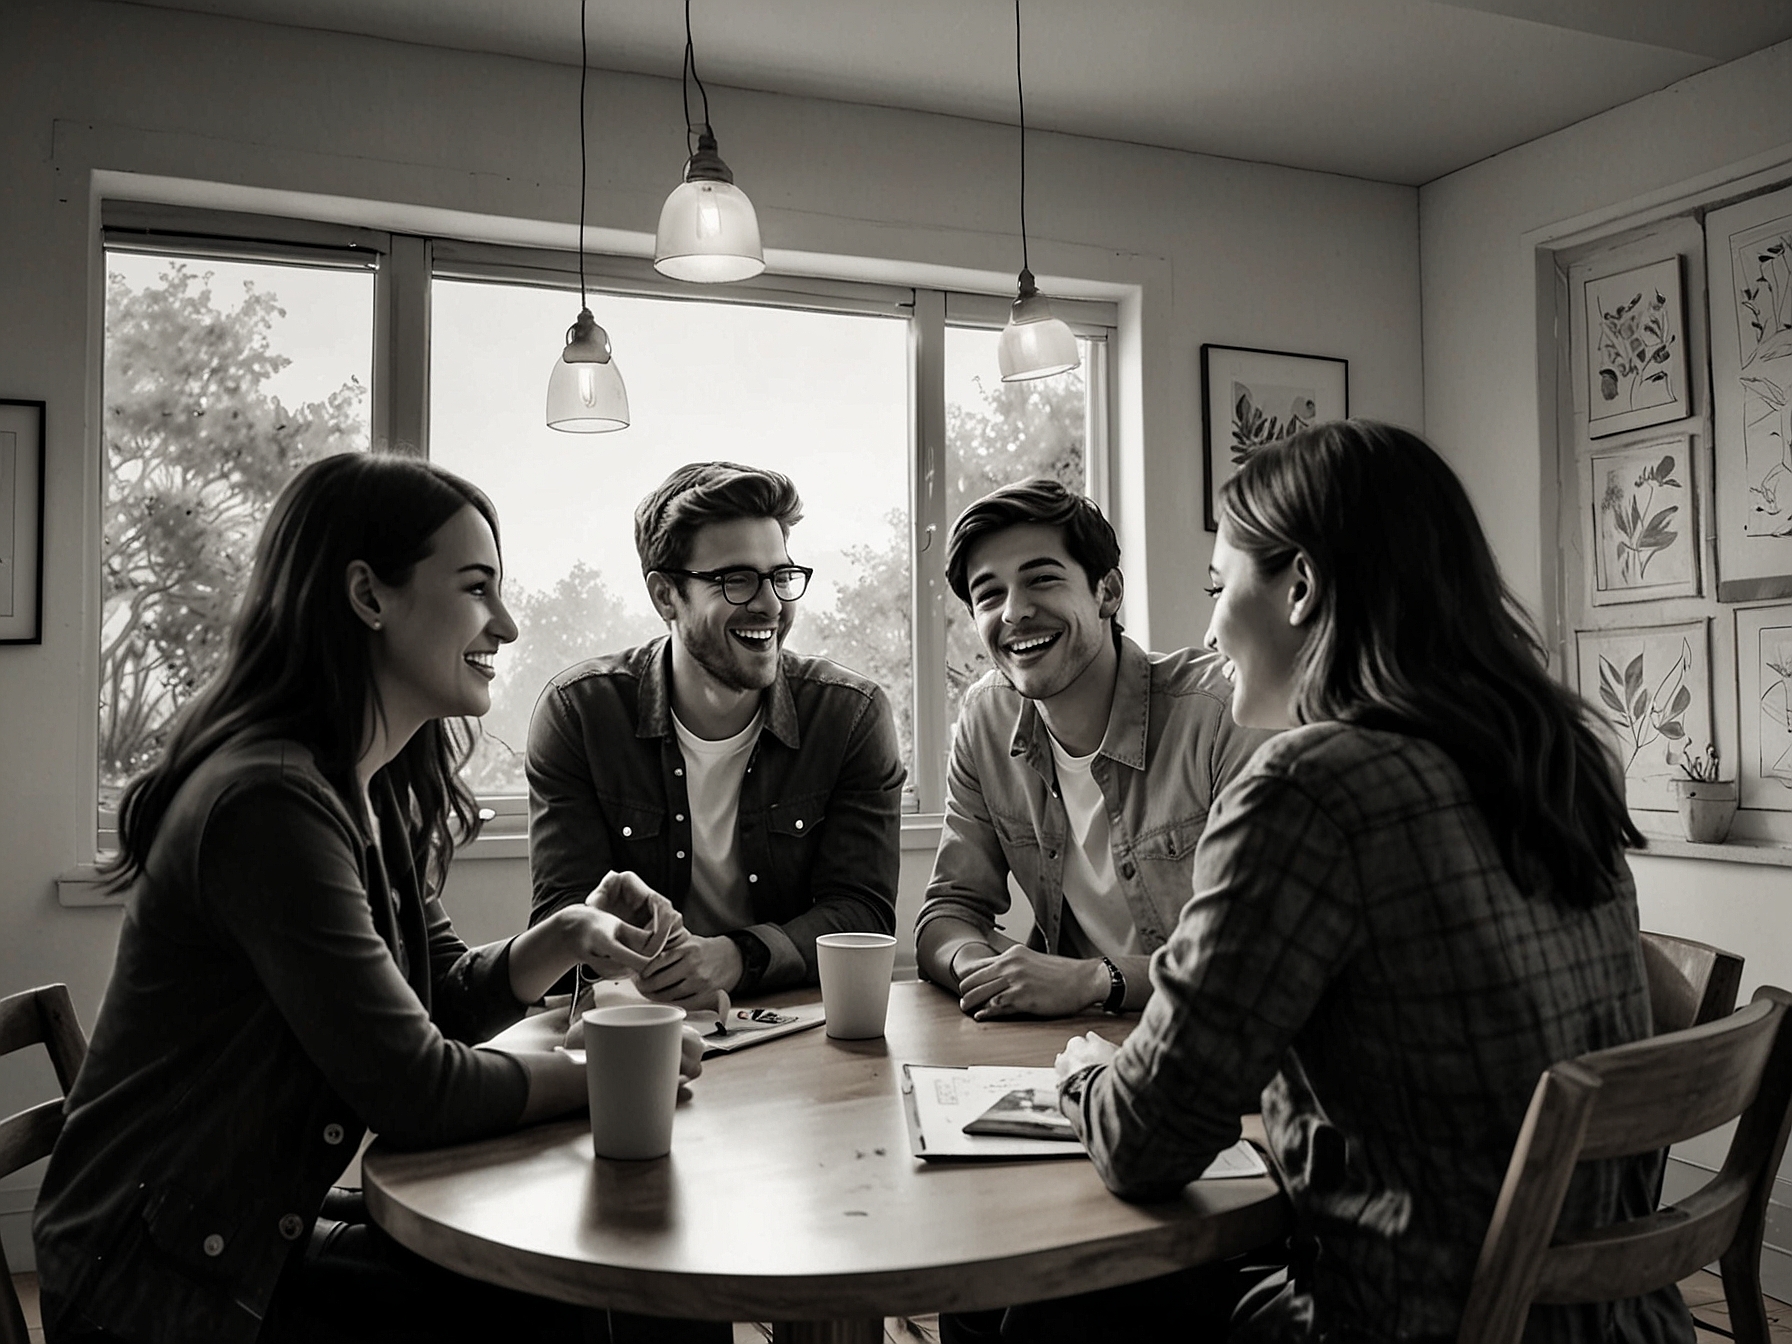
{"type": "Point", "coordinates": [497, 841]}
{"type": "Point", "coordinates": [82, 886]}
{"type": "Point", "coordinates": [1767, 853]}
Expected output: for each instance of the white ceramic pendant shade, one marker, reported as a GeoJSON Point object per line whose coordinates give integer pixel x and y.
{"type": "Point", "coordinates": [1034, 344]}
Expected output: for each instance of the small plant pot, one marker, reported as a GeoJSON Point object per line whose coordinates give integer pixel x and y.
{"type": "Point", "coordinates": [1707, 807]}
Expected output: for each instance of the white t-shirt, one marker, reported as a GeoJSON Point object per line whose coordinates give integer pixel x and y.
{"type": "Point", "coordinates": [1090, 888]}
{"type": "Point", "coordinates": [713, 772]}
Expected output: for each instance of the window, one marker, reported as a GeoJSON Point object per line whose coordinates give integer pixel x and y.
{"type": "Point", "coordinates": [238, 349]}
{"type": "Point", "coordinates": [221, 378]}
{"type": "Point", "coordinates": [822, 397]}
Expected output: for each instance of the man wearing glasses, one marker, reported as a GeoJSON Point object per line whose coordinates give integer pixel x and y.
{"type": "Point", "coordinates": [758, 790]}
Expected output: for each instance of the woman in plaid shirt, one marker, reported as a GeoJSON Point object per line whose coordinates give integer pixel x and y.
{"type": "Point", "coordinates": [1406, 907]}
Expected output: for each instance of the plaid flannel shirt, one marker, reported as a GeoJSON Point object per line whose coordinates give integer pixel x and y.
{"type": "Point", "coordinates": [1357, 962]}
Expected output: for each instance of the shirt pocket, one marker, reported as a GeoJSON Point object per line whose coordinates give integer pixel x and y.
{"type": "Point", "coordinates": [798, 819]}
{"type": "Point", "coordinates": [1165, 863]}
{"type": "Point", "coordinates": [204, 1240]}
{"type": "Point", "coordinates": [1021, 848]}
{"type": "Point", "coordinates": [637, 835]}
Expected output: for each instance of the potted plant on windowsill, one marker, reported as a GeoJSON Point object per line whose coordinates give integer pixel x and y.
{"type": "Point", "coordinates": [1707, 803]}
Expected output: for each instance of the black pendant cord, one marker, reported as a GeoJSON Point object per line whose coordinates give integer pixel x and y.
{"type": "Point", "coordinates": [691, 76]}
{"type": "Point", "coordinates": [584, 67]}
{"type": "Point", "coordinates": [1020, 91]}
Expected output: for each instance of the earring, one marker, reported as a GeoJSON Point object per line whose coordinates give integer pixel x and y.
{"type": "Point", "coordinates": [376, 624]}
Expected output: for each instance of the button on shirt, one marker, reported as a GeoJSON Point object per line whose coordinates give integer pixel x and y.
{"type": "Point", "coordinates": [1103, 926]}
{"type": "Point", "coordinates": [719, 900]}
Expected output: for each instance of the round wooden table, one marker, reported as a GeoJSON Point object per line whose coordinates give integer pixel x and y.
{"type": "Point", "coordinates": [791, 1196]}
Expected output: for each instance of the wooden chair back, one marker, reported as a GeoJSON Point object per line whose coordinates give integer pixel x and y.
{"type": "Point", "coordinates": [1689, 983]}
{"type": "Point", "coordinates": [1640, 1098]}
{"type": "Point", "coordinates": [45, 1017]}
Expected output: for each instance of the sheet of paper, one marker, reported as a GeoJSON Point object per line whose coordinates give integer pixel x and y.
{"type": "Point", "coordinates": [942, 1101]}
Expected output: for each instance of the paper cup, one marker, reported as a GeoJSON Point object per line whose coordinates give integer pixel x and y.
{"type": "Point", "coordinates": [855, 982]}
{"type": "Point", "coordinates": [631, 1077]}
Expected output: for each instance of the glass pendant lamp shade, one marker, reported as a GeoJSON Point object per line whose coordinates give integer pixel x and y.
{"type": "Point", "coordinates": [1034, 344]}
{"type": "Point", "coordinates": [585, 391]}
{"type": "Point", "coordinates": [708, 230]}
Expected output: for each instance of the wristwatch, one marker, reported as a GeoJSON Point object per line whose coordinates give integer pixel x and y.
{"type": "Point", "coordinates": [755, 957]}
{"type": "Point", "coordinates": [1116, 999]}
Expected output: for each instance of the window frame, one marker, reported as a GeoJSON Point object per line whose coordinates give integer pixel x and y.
{"type": "Point", "coordinates": [405, 267]}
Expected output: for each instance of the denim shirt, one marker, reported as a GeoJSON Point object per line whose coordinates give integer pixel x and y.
{"type": "Point", "coordinates": [282, 985]}
{"type": "Point", "coordinates": [1169, 748]}
{"type": "Point", "coordinates": [820, 806]}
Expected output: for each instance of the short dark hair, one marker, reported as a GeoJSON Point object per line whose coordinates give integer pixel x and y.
{"type": "Point", "coordinates": [700, 493]}
{"type": "Point", "coordinates": [1088, 537]}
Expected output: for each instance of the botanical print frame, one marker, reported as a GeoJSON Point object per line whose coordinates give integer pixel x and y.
{"type": "Point", "coordinates": [1650, 688]}
{"type": "Point", "coordinates": [1764, 706]}
{"type": "Point", "coordinates": [1251, 397]}
{"type": "Point", "coordinates": [21, 521]}
{"type": "Point", "coordinates": [1643, 502]}
{"type": "Point", "coordinates": [1634, 348]}
{"type": "Point", "coordinates": [1748, 253]}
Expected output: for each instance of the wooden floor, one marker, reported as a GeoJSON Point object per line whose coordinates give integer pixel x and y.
{"type": "Point", "coordinates": [1703, 1292]}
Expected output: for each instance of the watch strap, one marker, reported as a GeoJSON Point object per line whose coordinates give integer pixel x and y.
{"type": "Point", "coordinates": [755, 957]}
{"type": "Point", "coordinates": [1116, 999]}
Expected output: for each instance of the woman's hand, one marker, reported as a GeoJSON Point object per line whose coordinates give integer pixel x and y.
{"type": "Point", "coordinates": [557, 1080]}
{"type": "Point", "coordinates": [1081, 1052]}
{"type": "Point", "coordinates": [690, 1061]}
{"type": "Point", "coordinates": [622, 926]}
{"type": "Point", "coordinates": [619, 930]}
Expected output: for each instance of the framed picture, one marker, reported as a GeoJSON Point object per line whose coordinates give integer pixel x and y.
{"type": "Point", "coordinates": [1651, 689]}
{"type": "Point", "coordinates": [1645, 521]}
{"type": "Point", "coordinates": [1748, 254]}
{"type": "Point", "coordinates": [1635, 349]}
{"type": "Point", "coordinates": [1764, 706]}
{"type": "Point", "coordinates": [21, 522]}
{"type": "Point", "coordinates": [1253, 397]}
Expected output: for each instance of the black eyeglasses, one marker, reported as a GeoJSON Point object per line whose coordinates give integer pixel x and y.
{"type": "Point", "coordinates": [741, 586]}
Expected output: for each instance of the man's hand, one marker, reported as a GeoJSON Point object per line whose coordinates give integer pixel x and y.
{"type": "Point", "coordinates": [691, 970]}
{"type": "Point", "coordinates": [1020, 980]}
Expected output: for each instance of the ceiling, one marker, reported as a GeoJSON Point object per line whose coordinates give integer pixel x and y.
{"type": "Point", "coordinates": [1393, 90]}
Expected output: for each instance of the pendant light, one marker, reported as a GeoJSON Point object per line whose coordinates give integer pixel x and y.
{"type": "Point", "coordinates": [708, 231]}
{"type": "Point", "coordinates": [585, 391]}
{"type": "Point", "coordinates": [1034, 344]}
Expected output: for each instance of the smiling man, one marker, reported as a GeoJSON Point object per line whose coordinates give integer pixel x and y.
{"type": "Point", "coordinates": [757, 790]}
{"type": "Point", "coordinates": [1081, 765]}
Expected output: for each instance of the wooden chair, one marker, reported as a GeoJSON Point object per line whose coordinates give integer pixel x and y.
{"type": "Point", "coordinates": [36, 1017]}
{"type": "Point", "coordinates": [1640, 1098]}
{"type": "Point", "coordinates": [1689, 983]}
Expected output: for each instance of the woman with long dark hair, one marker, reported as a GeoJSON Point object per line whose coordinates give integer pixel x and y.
{"type": "Point", "coordinates": [286, 978]}
{"type": "Point", "coordinates": [1407, 906]}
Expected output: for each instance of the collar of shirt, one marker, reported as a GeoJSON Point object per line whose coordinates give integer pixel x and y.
{"type": "Point", "coordinates": [653, 716]}
{"type": "Point", "coordinates": [1128, 719]}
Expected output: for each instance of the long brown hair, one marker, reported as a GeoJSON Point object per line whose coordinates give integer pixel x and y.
{"type": "Point", "coordinates": [1415, 632]}
{"type": "Point", "coordinates": [299, 665]}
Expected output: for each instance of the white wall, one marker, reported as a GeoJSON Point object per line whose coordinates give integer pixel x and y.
{"type": "Point", "coordinates": [1207, 250]}
{"type": "Point", "coordinates": [1483, 409]}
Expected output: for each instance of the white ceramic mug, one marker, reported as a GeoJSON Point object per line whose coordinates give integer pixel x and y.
{"type": "Point", "coordinates": [631, 1077]}
{"type": "Point", "coordinates": [855, 982]}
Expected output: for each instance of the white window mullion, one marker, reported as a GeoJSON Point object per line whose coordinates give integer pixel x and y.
{"type": "Point", "coordinates": [401, 348]}
{"type": "Point", "coordinates": [927, 518]}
